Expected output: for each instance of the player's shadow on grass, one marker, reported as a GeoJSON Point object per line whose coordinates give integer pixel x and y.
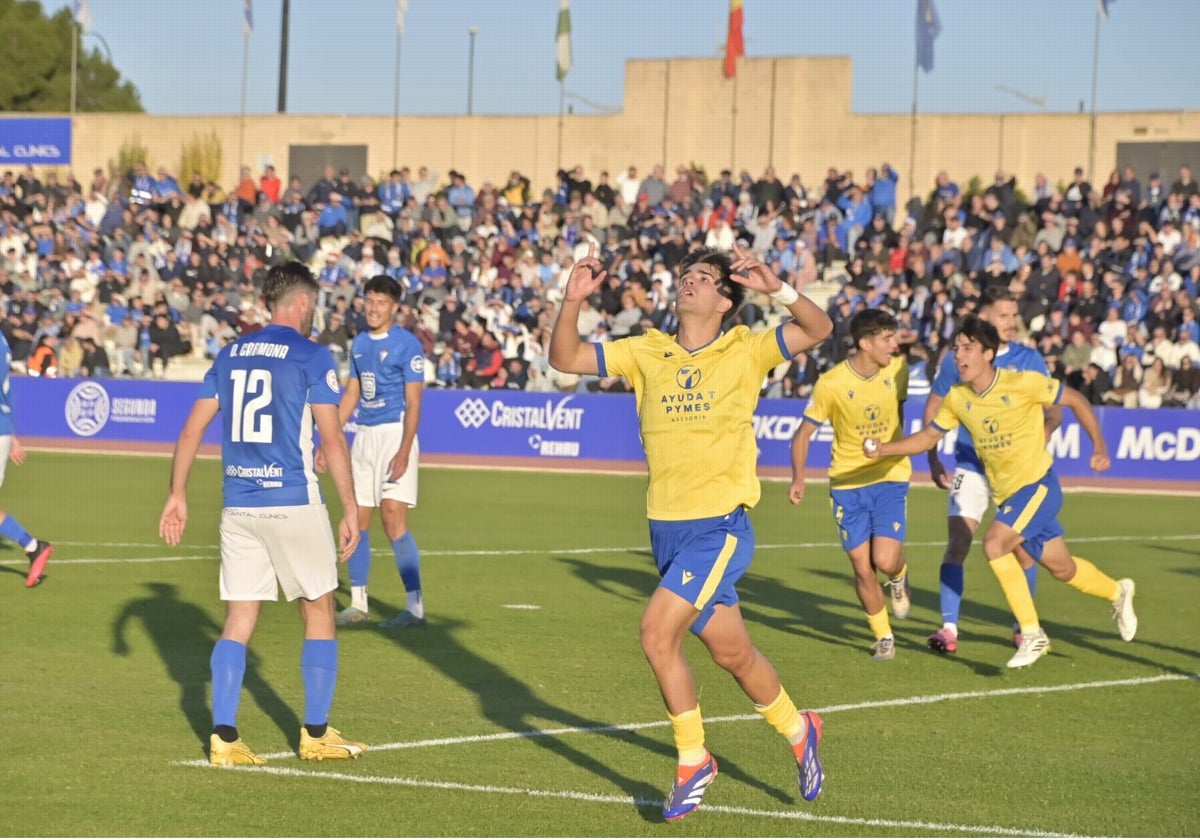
{"type": "Point", "coordinates": [183, 636]}
{"type": "Point", "coordinates": [510, 704]}
{"type": "Point", "coordinates": [15, 561]}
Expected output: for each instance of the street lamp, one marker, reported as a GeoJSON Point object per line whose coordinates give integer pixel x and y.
{"type": "Point", "coordinates": [473, 31]}
{"type": "Point", "coordinates": [94, 34]}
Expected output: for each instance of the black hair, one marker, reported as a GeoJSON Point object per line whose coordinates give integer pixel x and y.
{"type": "Point", "coordinates": [871, 322]}
{"type": "Point", "coordinates": [723, 263]}
{"type": "Point", "coordinates": [384, 285]}
{"type": "Point", "coordinates": [974, 328]}
{"type": "Point", "coordinates": [283, 280]}
{"type": "Point", "coordinates": [993, 294]}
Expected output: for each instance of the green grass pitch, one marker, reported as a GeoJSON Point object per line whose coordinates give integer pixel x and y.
{"type": "Point", "coordinates": [534, 585]}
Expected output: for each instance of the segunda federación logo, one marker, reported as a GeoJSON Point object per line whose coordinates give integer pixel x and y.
{"type": "Point", "coordinates": [87, 408]}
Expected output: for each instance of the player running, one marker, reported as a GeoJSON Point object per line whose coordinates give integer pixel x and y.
{"type": "Point", "coordinates": [863, 397]}
{"type": "Point", "coordinates": [969, 494]}
{"type": "Point", "coordinates": [1003, 411]}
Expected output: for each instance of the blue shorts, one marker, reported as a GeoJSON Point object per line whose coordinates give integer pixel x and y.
{"type": "Point", "coordinates": [701, 560]}
{"type": "Point", "coordinates": [1033, 513]}
{"type": "Point", "coordinates": [877, 510]}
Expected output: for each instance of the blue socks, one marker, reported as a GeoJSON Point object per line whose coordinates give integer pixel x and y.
{"type": "Point", "coordinates": [318, 666]}
{"type": "Point", "coordinates": [1031, 576]}
{"type": "Point", "coordinates": [228, 664]}
{"type": "Point", "coordinates": [951, 577]}
{"type": "Point", "coordinates": [12, 529]}
{"type": "Point", "coordinates": [360, 560]}
{"type": "Point", "coordinates": [408, 561]}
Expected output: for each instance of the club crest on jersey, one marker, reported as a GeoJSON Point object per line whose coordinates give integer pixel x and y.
{"type": "Point", "coordinates": [368, 384]}
{"type": "Point", "coordinates": [688, 377]}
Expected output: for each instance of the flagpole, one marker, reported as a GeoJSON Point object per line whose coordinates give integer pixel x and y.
{"type": "Point", "coordinates": [1092, 121]}
{"type": "Point", "coordinates": [562, 96]}
{"type": "Point", "coordinates": [912, 129]}
{"type": "Point", "coordinates": [396, 103]}
{"type": "Point", "coordinates": [74, 68]}
{"type": "Point", "coordinates": [245, 77]}
{"type": "Point", "coordinates": [733, 128]}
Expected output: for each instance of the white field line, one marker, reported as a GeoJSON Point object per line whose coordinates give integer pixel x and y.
{"type": "Point", "coordinates": [921, 827]}
{"type": "Point", "coordinates": [524, 552]}
{"type": "Point", "coordinates": [918, 700]}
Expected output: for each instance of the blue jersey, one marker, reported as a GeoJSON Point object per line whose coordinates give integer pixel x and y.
{"type": "Point", "coordinates": [6, 416]}
{"type": "Point", "coordinates": [264, 384]}
{"type": "Point", "coordinates": [1012, 356]}
{"type": "Point", "coordinates": [383, 366]}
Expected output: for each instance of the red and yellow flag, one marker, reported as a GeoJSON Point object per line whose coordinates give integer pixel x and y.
{"type": "Point", "coordinates": [735, 46]}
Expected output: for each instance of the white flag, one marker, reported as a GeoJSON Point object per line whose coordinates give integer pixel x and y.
{"type": "Point", "coordinates": [248, 18]}
{"type": "Point", "coordinates": [82, 15]}
{"type": "Point", "coordinates": [564, 39]}
{"type": "Point", "coordinates": [401, 8]}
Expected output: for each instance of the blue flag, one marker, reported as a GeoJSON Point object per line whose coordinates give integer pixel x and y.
{"type": "Point", "coordinates": [248, 17]}
{"type": "Point", "coordinates": [928, 28]}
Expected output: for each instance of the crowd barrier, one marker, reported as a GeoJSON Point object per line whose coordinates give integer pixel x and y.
{"type": "Point", "coordinates": [1158, 444]}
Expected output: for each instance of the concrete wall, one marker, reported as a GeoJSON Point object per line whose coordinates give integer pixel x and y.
{"type": "Point", "coordinates": [792, 112]}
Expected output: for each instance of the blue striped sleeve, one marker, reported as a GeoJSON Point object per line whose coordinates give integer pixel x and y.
{"type": "Point", "coordinates": [603, 368]}
{"type": "Point", "coordinates": [783, 348]}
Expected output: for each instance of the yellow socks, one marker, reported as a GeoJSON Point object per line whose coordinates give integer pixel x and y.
{"type": "Point", "coordinates": [880, 625]}
{"type": "Point", "coordinates": [1091, 581]}
{"type": "Point", "coordinates": [689, 736]}
{"type": "Point", "coordinates": [783, 716]}
{"type": "Point", "coordinates": [900, 574]}
{"type": "Point", "coordinates": [1016, 591]}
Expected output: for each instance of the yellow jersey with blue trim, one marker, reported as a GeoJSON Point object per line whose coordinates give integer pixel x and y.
{"type": "Point", "coordinates": [695, 411]}
{"type": "Point", "coordinates": [1008, 426]}
{"type": "Point", "coordinates": [860, 407]}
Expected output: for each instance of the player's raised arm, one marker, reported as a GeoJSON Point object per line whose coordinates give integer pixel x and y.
{"type": "Point", "coordinates": [810, 326]}
{"type": "Point", "coordinates": [568, 353]}
{"type": "Point", "coordinates": [174, 515]}
{"type": "Point", "coordinates": [1083, 411]}
{"type": "Point", "coordinates": [911, 445]}
{"type": "Point", "coordinates": [800, 443]}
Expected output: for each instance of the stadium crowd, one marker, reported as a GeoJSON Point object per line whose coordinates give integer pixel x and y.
{"type": "Point", "coordinates": [125, 276]}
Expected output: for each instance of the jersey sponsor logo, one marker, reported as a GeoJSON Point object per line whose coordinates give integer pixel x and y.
{"type": "Point", "coordinates": [367, 379]}
{"type": "Point", "coordinates": [266, 475]}
{"type": "Point", "coordinates": [474, 413]}
{"type": "Point", "coordinates": [991, 425]}
{"type": "Point", "coordinates": [871, 412]}
{"type": "Point", "coordinates": [1145, 443]}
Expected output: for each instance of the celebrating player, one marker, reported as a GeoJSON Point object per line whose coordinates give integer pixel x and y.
{"type": "Point", "coordinates": [969, 487]}
{"type": "Point", "coordinates": [38, 551]}
{"type": "Point", "coordinates": [696, 393]}
{"type": "Point", "coordinates": [387, 372]}
{"type": "Point", "coordinates": [1003, 411]}
{"type": "Point", "coordinates": [864, 397]}
{"type": "Point", "coordinates": [270, 386]}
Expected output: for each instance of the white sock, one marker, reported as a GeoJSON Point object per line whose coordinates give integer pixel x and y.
{"type": "Point", "coordinates": [31, 545]}
{"type": "Point", "coordinates": [952, 627]}
{"type": "Point", "coordinates": [416, 605]}
{"type": "Point", "coordinates": [358, 598]}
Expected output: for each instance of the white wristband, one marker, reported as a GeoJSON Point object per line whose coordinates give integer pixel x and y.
{"type": "Point", "coordinates": [786, 295]}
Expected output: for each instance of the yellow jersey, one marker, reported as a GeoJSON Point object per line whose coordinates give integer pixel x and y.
{"type": "Point", "coordinates": [860, 407]}
{"type": "Point", "coordinates": [1008, 426]}
{"type": "Point", "coordinates": [695, 412]}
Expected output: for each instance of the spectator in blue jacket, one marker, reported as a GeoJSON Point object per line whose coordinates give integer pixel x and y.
{"type": "Point", "coordinates": [333, 220]}
{"type": "Point", "coordinates": [462, 198]}
{"type": "Point", "coordinates": [881, 189]}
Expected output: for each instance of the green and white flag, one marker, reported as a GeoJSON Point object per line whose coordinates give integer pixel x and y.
{"type": "Point", "coordinates": [564, 39]}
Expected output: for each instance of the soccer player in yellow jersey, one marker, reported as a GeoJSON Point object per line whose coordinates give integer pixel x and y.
{"type": "Point", "coordinates": [1002, 410]}
{"type": "Point", "coordinates": [864, 397]}
{"type": "Point", "coordinates": [696, 392]}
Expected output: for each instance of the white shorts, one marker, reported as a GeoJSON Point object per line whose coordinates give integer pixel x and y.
{"type": "Point", "coordinates": [264, 548]}
{"type": "Point", "coordinates": [969, 495]}
{"type": "Point", "coordinates": [5, 448]}
{"type": "Point", "coordinates": [374, 447]}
